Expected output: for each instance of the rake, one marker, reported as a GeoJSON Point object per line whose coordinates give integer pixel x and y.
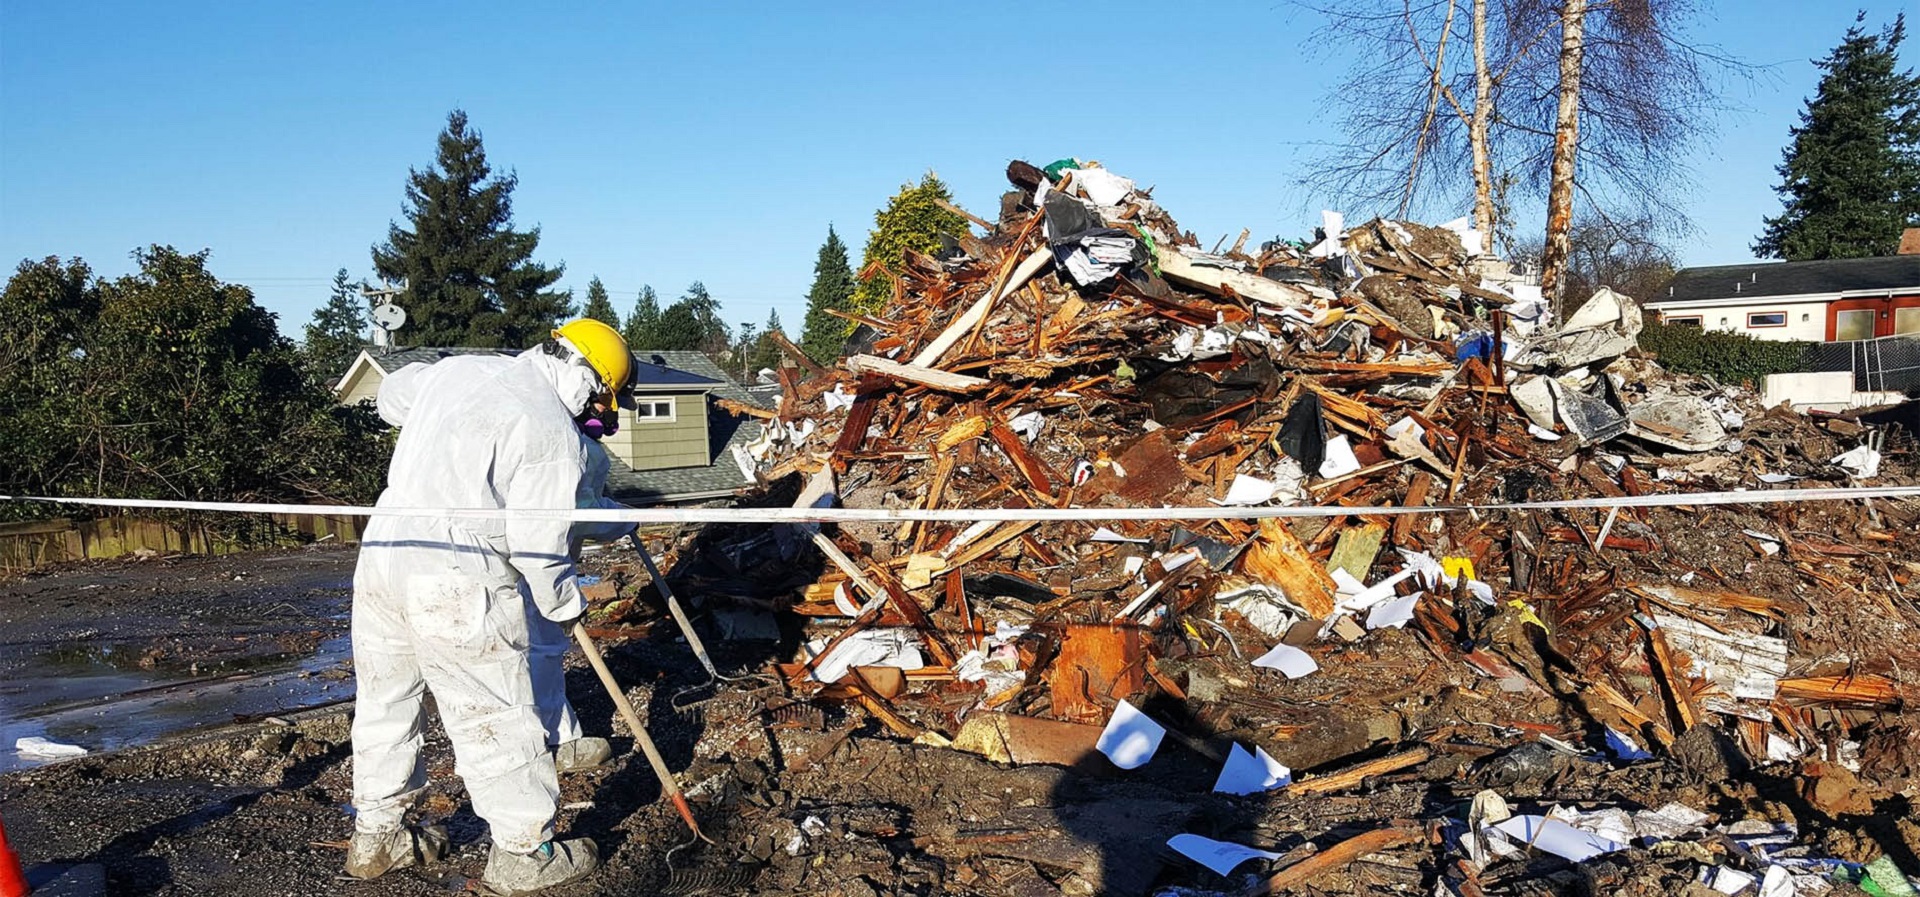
{"type": "Point", "coordinates": [704, 692]}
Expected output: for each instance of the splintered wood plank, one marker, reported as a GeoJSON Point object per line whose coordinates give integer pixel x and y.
{"type": "Point", "coordinates": [1338, 856]}
{"type": "Point", "coordinates": [1352, 776]}
{"type": "Point", "coordinates": [1062, 321]}
{"type": "Point", "coordinates": [932, 378]}
{"type": "Point", "coordinates": [1031, 467]}
{"type": "Point", "coordinates": [942, 472]}
{"type": "Point", "coordinates": [794, 353]}
{"type": "Point", "coordinates": [990, 543]}
{"type": "Point", "coordinates": [1410, 271]}
{"type": "Point", "coordinates": [965, 430]}
{"type": "Point", "coordinates": [1010, 279]}
{"type": "Point", "coordinates": [1673, 669]}
{"type": "Point", "coordinates": [854, 432]}
{"type": "Point", "coordinates": [1278, 558]}
{"type": "Point", "coordinates": [1098, 666]}
{"type": "Point", "coordinates": [1863, 691]}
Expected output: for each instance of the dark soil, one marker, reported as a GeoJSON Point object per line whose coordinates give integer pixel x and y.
{"type": "Point", "coordinates": [260, 807]}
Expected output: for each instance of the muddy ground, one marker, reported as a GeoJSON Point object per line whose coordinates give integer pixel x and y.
{"type": "Point", "coordinates": [800, 801]}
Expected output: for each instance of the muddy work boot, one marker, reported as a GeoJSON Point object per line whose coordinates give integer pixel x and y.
{"type": "Point", "coordinates": [373, 854]}
{"type": "Point", "coordinates": [582, 753]}
{"type": "Point", "coordinates": [555, 863]}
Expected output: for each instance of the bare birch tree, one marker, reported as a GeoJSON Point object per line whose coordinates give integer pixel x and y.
{"type": "Point", "coordinates": [1589, 103]}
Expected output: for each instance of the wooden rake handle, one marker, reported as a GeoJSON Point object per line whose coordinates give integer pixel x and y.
{"type": "Point", "coordinates": [668, 786]}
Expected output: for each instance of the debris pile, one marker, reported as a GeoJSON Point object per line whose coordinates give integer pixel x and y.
{"type": "Point", "coordinates": [1082, 352]}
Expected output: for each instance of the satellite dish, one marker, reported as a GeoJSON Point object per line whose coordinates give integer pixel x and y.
{"type": "Point", "coordinates": [389, 316]}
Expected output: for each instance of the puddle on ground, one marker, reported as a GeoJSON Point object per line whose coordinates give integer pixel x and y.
{"type": "Point", "coordinates": [101, 697]}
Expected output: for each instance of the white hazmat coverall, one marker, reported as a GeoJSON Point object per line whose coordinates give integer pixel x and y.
{"type": "Point", "coordinates": [437, 602]}
{"type": "Point", "coordinates": [549, 641]}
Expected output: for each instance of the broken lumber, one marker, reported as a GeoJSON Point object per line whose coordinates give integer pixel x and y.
{"type": "Point", "coordinates": [933, 378]}
{"type": "Point", "coordinates": [1336, 857]}
{"type": "Point", "coordinates": [1352, 776]}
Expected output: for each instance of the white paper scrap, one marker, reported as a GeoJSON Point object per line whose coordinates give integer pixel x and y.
{"type": "Point", "coordinates": [35, 746]}
{"type": "Point", "coordinates": [1103, 186]}
{"type": "Point", "coordinates": [839, 398]}
{"type": "Point", "coordinates": [885, 647]}
{"type": "Point", "coordinates": [1404, 425]}
{"type": "Point", "coordinates": [1220, 856]}
{"type": "Point", "coordinates": [1775, 478]}
{"type": "Point", "coordinates": [1860, 463]}
{"type": "Point", "coordinates": [1778, 882]}
{"type": "Point", "coordinates": [1556, 837]}
{"type": "Point", "coordinates": [1542, 433]}
{"type": "Point", "coordinates": [1289, 660]}
{"type": "Point", "coordinates": [1028, 425]}
{"type": "Point", "coordinates": [1130, 738]}
{"type": "Point", "coordinates": [1251, 773]}
{"type": "Point", "coordinates": [1339, 458]}
{"type": "Point", "coordinates": [1106, 535]}
{"type": "Point", "coordinates": [1393, 613]}
{"type": "Point", "coordinates": [1726, 879]}
{"type": "Point", "coordinates": [1248, 490]}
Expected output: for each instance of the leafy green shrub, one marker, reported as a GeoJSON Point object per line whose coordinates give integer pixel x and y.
{"type": "Point", "coordinates": [1725, 356]}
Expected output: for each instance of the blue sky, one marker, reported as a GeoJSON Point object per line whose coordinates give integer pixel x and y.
{"type": "Point", "coordinates": [666, 143]}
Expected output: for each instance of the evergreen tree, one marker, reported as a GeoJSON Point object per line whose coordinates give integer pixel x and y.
{"type": "Point", "coordinates": [470, 278]}
{"type": "Point", "coordinates": [693, 322]}
{"type": "Point", "coordinates": [337, 333]}
{"type": "Point", "coordinates": [643, 325]}
{"type": "Point", "coordinates": [599, 307]}
{"type": "Point", "coordinates": [833, 287]}
{"type": "Point", "coordinates": [912, 221]}
{"type": "Point", "coordinates": [1851, 178]}
{"type": "Point", "coordinates": [765, 352]}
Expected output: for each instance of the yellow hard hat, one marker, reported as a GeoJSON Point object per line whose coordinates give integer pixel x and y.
{"type": "Point", "coordinates": [603, 348]}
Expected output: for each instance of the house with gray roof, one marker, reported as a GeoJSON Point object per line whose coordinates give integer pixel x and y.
{"type": "Point", "coordinates": [1826, 300]}
{"type": "Point", "coordinates": [676, 445]}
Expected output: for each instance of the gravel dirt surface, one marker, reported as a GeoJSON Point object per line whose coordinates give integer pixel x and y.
{"type": "Point", "coordinates": [826, 802]}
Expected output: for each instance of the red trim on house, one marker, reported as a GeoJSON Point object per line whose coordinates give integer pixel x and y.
{"type": "Point", "coordinates": [1881, 306]}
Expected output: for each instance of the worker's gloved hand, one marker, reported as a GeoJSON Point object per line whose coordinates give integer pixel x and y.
{"type": "Point", "coordinates": [567, 624]}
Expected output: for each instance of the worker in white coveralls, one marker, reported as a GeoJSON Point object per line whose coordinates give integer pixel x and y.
{"type": "Point", "coordinates": [438, 603]}
{"type": "Point", "coordinates": [549, 643]}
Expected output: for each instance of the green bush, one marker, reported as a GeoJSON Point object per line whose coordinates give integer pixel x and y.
{"type": "Point", "coordinates": [1727, 357]}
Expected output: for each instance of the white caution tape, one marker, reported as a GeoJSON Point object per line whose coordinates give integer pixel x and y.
{"type": "Point", "coordinates": [969, 515]}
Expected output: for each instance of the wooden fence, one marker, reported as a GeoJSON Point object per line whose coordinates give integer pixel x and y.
{"type": "Point", "coordinates": [24, 546]}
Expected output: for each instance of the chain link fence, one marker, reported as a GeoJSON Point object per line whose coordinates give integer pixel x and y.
{"type": "Point", "coordinates": [1886, 364]}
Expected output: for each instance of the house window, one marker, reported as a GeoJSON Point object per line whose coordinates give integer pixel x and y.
{"type": "Point", "coordinates": [1853, 323]}
{"type": "Point", "coordinates": [1685, 320]}
{"type": "Point", "coordinates": [1766, 319]}
{"type": "Point", "coordinates": [653, 411]}
{"type": "Point", "coordinates": [1906, 320]}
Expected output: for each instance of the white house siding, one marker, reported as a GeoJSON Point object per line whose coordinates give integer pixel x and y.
{"type": "Point", "coordinates": [364, 388]}
{"type": "Point", "coordinates": [1806, 320]}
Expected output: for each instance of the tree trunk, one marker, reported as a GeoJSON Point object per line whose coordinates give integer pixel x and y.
{"type": "Point", "coordinates": [1483, 219]}
{"type": "Point", "coordinates": [1566, 142]}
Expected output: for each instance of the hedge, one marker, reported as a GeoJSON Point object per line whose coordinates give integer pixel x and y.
{"type": "Point", "coordinates": [1725, 356]}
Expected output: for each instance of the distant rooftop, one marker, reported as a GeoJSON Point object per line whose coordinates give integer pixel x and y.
{"type": "Point", "coordinates": [1891, 272]}
{"type": "Point", "coordinates": [393, 358]}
